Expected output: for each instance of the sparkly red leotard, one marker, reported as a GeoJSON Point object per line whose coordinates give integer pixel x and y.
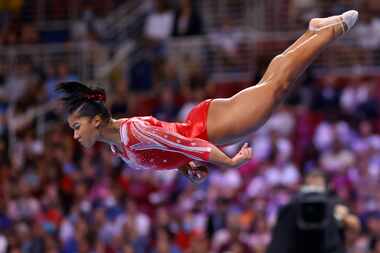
{"type": "Point", "coordinates": [149, 143]}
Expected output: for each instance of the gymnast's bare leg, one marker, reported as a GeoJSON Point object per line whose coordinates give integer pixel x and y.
{"type": "Point", "coordinates": [231, 119]}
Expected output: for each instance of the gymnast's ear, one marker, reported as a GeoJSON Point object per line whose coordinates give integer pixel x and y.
{"type": "Point", "coordinates": [97, 121]}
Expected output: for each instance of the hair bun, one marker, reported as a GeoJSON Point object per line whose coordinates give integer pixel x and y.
{"type": "Point", "coordinates": [97, 95]}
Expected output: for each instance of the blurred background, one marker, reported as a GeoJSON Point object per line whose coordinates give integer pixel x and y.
{"type": "Point", "coordinates": [161, 57]}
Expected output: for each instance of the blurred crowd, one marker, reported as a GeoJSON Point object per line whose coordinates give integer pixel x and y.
{"type": "Point", "coordinates": [58, 197]}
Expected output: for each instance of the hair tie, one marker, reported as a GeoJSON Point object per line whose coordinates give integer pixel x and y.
{"type": "Point", "coordinates": [97, 96]}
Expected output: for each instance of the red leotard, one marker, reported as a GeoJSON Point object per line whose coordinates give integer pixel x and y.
{"type": "Point", "coordinates": [149, 143]}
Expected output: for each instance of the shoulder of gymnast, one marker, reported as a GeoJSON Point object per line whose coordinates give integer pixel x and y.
{"type": "Point", "coordinates": [134, 118]}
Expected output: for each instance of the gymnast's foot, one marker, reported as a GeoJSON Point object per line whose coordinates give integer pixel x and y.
{"type": "Point", "coordinates": [341, 23]}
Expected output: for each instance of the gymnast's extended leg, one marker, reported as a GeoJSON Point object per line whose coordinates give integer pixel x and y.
{"type": "Point", "coordinates": [232, 118]}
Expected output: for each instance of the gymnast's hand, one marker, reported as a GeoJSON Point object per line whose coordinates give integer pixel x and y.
{"type": "Point", "coordinates": [195, 173]}
{"type": "Point", "coordinates": [244, 155]}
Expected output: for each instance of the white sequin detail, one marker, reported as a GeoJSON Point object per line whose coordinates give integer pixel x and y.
{"type": "Point", "coordinates": [165, 161]}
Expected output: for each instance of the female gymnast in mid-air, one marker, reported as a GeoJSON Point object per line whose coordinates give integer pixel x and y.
{"type": "Point", "coordinates": [145, 142]}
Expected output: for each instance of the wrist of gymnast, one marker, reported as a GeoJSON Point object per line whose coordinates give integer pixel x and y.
{"type": "Point", "coordinates": [227, 162]}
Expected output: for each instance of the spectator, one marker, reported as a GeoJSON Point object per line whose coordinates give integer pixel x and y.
{"type": "Point", "coordinates": [159, 23]}
{"type": "Point", "coordinates": [187, 21]}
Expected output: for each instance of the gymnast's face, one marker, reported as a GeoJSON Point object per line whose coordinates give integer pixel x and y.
{"type": "Point", "coordinates": [86, 129]}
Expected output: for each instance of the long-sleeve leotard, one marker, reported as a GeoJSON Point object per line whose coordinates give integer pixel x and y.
{"type": "Point", "coordinates": [152, 144]}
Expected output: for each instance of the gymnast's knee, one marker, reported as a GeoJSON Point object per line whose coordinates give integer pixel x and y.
{"type": "Point", "coordinates": [279, 69]}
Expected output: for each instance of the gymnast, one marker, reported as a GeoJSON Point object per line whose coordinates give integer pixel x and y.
{"type": "Point", "coordinates": [148, 143]}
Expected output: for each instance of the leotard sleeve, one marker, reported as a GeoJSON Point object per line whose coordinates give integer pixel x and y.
{"type": "Point", "coordinates": [153, 137]}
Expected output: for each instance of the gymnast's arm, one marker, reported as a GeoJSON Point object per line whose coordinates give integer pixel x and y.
{"type": "Point", "coordinates": [194, 148]}
{"type": "Point", "coordinates": [218, 157]}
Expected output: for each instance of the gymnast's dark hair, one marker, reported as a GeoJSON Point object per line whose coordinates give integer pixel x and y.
{"type": "Point", "coordinates": [90, 102]}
